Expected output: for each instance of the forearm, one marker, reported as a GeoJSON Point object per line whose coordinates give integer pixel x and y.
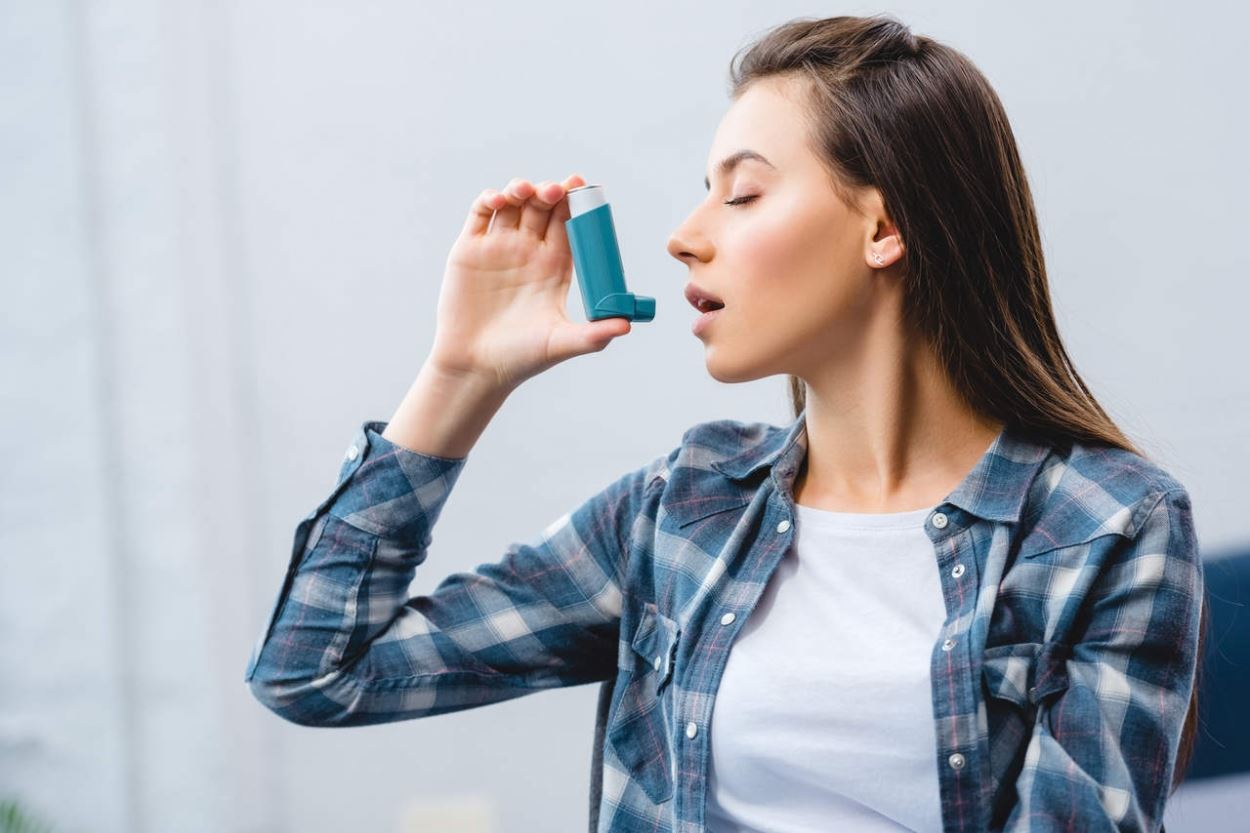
{"type": "Point", "coordinates": [444, 413]}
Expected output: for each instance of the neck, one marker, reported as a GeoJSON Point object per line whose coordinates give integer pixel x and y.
{"type": "Point", "coordinates": [889, 434]}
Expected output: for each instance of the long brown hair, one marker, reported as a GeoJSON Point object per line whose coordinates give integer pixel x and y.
{"type": "Point", "coordinates": [916, 120]}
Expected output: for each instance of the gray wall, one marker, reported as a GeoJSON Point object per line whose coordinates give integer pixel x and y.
{"type": "Point", "coordinates": [222, 231]}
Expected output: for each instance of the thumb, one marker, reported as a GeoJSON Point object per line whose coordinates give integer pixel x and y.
{"type": "Point", "coordinates": [572, 339]}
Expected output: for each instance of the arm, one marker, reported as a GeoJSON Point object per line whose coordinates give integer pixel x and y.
{"type": "Point", "coordinates": [1104, 749]}
{"type": "Point", "coordinates": [346, 646]}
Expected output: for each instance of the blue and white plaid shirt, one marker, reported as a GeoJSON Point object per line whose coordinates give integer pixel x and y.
{"type": "Point", "coordinates": [1071, 577]}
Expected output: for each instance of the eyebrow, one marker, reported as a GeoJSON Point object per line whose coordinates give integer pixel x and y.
{"type": "Point", "coordinates": [731, 161]}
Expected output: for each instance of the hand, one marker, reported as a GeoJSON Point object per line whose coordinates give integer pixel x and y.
{"type": "Point", "coordinates": [501, 308]}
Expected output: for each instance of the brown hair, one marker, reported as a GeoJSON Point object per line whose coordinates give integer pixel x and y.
{"type": "Point", "coordinates": [916, 120]}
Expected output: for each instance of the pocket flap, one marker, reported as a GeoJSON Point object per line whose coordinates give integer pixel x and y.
{"type": "Point", "coordinates": [655, 641]}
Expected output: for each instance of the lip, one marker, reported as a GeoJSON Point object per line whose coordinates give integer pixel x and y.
{"type": "Point", "coordinates": [705, 320]}
{"type": "Point", "coordinates": [694, 294]}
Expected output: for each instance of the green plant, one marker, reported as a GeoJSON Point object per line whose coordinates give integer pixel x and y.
{"type": "Point", "coordinates": [16, 819]}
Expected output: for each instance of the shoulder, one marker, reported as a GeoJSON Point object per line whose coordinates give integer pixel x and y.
{"type": "Point", "coordinates": [706, 443]}
{"type": "Point", "coordinates": [706, 446]}
{"type": "Point", "coordinates": [1125, 477]}
{"type": "Point", "coordinates": [728, 437]}
{"type": "Point", "coordinates": [689, 484]}
{"type": "Point", "coordinates": [1088, 490]}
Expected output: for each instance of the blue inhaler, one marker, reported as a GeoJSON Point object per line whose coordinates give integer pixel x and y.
{"type": "Point", "coordinates": [597, 259]}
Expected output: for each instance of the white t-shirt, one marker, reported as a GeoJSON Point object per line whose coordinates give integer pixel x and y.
{"type": "Point", "coordinates": [823, 720]}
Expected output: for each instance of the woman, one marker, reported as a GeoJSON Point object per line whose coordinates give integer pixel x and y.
{"type": "Point", "coordinates": [957, 597]}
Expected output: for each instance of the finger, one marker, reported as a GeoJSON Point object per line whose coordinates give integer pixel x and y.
{"type": "Point", "coordinates": [515, 194]}
{"type": "Point", "coordinates": [537, 210]}
{"type": "Point", "coordinates": [557, 233]}
{"type": "Point", "coordinates": [483, 209]}
{"type": "Point", "coordinates": [573, 339]}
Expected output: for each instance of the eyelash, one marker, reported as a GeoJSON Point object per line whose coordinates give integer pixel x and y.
{"type": "Point", "coordinates": [740, 200]}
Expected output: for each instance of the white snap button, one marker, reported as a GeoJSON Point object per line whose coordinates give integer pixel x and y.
{"type": "Point", "coordinates": [691, 730]}
{"type": "Point", "coordinates": [957, 570]}
{"type": "Point", "coordinates": [948, 644]}
{"type": "Point", "coordinates": [727, 618]}
{"type": "Point", "coordinates": [956, 761]}
{"type": "Point", "coordinates": [783, 526]}
{"type": "Point", "coordinates": [658, 662]}
{"type": "Point", "coordinates": [353, 453]}
{"type": "Point", "coordinates": [939, 520]}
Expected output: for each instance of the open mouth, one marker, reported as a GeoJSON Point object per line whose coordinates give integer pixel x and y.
{"type": "Point", "coordinates": [702, 300]}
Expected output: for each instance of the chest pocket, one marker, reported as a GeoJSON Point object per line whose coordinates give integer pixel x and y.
{"type": "Point", "coordinates": [639, 728]}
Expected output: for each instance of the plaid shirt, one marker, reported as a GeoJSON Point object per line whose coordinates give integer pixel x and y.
{"type": "Point", "coordinates": [1060, 678]}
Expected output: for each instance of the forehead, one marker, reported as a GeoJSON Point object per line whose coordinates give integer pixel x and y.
{"type": "Point", "coordinates": [767, 117]}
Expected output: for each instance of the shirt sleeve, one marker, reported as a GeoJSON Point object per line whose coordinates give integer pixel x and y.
{"type": "Point", "coordinates": [1102, 753]}
{"type": "Point", "coordinates": [345, 645]}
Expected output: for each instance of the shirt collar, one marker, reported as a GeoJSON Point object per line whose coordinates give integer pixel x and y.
{"type": "Point", "coordinates": [995, 489]}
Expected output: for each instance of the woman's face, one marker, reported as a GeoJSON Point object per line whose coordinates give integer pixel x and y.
{"type": "Point", "coordinates": [793, 264]}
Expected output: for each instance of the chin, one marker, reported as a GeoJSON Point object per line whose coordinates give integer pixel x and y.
{"type": "Point", "coordinates": [731, 372]}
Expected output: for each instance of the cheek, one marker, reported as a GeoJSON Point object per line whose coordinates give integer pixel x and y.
{"type": "Point", "coordinates": [770, 243]}
{"type": "Point", "coordinates": [791, 267]}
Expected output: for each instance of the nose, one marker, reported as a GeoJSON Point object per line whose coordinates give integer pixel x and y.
{"type": "Point", "coordinates": [686, 247]}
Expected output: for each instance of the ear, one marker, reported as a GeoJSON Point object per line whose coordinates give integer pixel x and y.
{"type": "Point", "coordinates": [885, 245]}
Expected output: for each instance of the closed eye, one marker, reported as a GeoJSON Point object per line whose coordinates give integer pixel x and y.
{"type": "Point", "coordinates": [740, 200]}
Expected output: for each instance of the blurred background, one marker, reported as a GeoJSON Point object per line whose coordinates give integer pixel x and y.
{"type": "Point", "coordinates": [223, 227]}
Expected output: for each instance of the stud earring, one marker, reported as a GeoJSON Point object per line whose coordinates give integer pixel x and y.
{"type": "Point", "coordinates": [877, 257]}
